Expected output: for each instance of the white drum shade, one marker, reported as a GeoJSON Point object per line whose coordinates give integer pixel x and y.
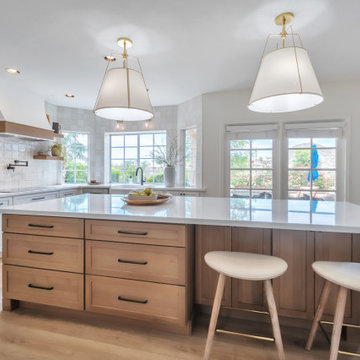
{"type": "Point", "coordinates": [123, 96]}
{"type": "Point", "coordinates": [286, 82]}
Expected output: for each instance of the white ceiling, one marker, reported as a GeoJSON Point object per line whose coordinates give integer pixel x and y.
{"type": "Point", "coordinates": [186, 47]}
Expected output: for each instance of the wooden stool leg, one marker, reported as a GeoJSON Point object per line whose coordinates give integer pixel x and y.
{"type": "Point", "coordinates": [338, 322]}
{"type": "Point", "coordinates": [214, 315]}
{"type": "Point", "coordinates": [319, 312]}
{"type": "Point", "coordinates": [274, 318]}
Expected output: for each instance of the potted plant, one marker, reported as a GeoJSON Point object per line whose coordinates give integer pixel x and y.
{"type": "Point", "coordinates": [170, 158]}
{"type": "Point", "coordinates": [56, 149]}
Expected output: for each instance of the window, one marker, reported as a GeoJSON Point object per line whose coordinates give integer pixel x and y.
{"type": "Point", "coordinates": [190, 157]}
{"type": "Point", "coordinates": [312, 168]}
{"type": "Point", "coordinates": [131, 150]}
{"type": "Point", "coordinates": [251, 174]}
{"type": "Point", "coordinates": [76, 153]}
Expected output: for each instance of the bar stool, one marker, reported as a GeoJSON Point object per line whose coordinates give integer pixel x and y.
{"type": "Point", "coordinates": [347, 276]}
{"type": "Point", "coordinates": [245, 266]}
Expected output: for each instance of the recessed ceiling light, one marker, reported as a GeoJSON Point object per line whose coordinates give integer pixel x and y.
{"type": "Point", "coordinates": [13, 71]}
{"type": "Point", "coordinates": [70, 95]}
{"type": "Point", "coordinates": [109, 58]}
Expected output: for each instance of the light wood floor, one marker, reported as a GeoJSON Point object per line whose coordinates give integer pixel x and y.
{"type": "Point", "coordinates": [37, 335]}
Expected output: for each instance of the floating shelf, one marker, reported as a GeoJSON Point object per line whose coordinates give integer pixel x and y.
{"type": "Point", "coordinates": [61, 136]}
{"type": "Point", "coordinates": [47, 157]}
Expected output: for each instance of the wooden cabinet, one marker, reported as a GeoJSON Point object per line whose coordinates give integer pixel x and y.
{"type": "Point", "coordinates": [210, 238]}
{"type": "Point", "coordinates": [135, 232]}
{"type": "Point", "coordinates": [134, 261]}
{"type": "Point", "coordinates": [332, 247]}
{"type": "Point", "coordinates": [294, 290]}
{"type": "Point", "coordinates": [44, 225]}
{"type": "Point", "coordinates": [44, 252]}
{"type": "Point", "coordinates": [140, 270]}
{"type": "Point", "coordinates": [249, 294]}
{"type": "Point", "coordinates": [136, 299]}
{"type": "Point", "coordinates": [55, 288]}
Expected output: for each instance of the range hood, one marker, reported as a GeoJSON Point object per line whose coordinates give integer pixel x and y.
{"type": "Point", "coordinates": [22, 113]}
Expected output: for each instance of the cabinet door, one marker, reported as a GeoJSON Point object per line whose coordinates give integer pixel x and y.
{"type": "Point", "coordinates": [210, 238]}
{"type": "Point", "coordinates": [294, 290]}
{"type": "Point", "coordinates": [332, 247]}
{"type": "Point", "coordinates": [249, 294]}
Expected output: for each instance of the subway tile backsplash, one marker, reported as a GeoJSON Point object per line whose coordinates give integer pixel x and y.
{"type": "Point", "coordinates": [38, 173]}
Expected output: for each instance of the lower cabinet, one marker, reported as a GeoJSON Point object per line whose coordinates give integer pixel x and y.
{"type": "Point", "coordinates": [298, 290]}
{"type": "Point", "coordinates": [249, 294]}
{"type": "Point", "coordinates": [46, 287]}
{"type": "Point", "coordinates": [136, 299]}
{"type": "Point", "coordinates": [294, 290]}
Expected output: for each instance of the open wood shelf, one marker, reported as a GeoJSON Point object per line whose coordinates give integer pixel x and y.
{"type": "Point", "coordinates": [47, 157]}
{"type": "Point", "coordinates": [61, 136]}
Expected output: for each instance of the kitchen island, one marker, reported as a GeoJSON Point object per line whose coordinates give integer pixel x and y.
{"type": "Point", "coordinates": [94, 253]}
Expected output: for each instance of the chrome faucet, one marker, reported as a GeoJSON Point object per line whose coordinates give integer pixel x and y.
{"type": "Point", "coordinates": [141, 173]}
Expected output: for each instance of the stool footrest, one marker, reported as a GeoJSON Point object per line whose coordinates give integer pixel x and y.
{"type": "Point", "coordinates": [257, 337]}
{"type": "Point", "coordinates": [349, 353]}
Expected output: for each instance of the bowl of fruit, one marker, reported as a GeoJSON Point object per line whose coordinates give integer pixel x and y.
{"type": "Point", "coordinates": [146, 197]}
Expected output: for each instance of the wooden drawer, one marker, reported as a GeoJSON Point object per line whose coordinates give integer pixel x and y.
{"type": "Point", "coordinates": [134, 261]}
{"type": "Point", "coordinates": [44, 225]}
{"type": "Point", "coordinates": [135, 232]}
{"type": "Point", "coordinates": [43, 286]}
{"type": "Point", "coordinates": [44, 252]}
{"type": "Point", "coordinates": [135, 299]}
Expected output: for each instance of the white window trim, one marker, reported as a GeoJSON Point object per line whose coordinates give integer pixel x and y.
{"type": "Point", "coordinates": [88, 151]}
{"type": "Point", "coordinates": [138, 133]}
{"type": "Point", "coordinates": [280, 152]}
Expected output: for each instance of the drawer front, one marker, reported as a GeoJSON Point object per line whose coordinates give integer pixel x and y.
{"type": "Point", "coordinates": [44, 252]}
{"type": "Point", "coordinates": [44, 225]}
{"type": "Point", "coordinates": [135, 298]}
{"type": "Point", "coordinates": [5, 201]}
{"type": "Point", "coordinates": [135, 232]}
{"type": "Point", "coordinates": [43, 287]}
{"type": "Point", "coordinates": [95, 191]}
{"type": "Point", "coordinates": [134, 261]}
{"type": "Point", "coordinates": [24, 199]}
{"type": "Point", "coordinates": [66, 193]}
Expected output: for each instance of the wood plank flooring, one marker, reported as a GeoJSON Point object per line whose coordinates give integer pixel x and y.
{"type": "Point", "coordinates": [27, 334]}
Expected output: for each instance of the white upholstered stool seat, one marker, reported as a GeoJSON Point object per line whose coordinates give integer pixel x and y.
{"type": "Point", "coordinates": [345, 274]}
{"type": "Point", "coordinates": [246, 266]}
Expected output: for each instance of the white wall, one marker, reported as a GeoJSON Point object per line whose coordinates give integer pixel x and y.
{"type": "Point", "coordinates": [38, 173]}
{"type": "Point", "coordinates": [342, 101]}
{"type": "Point", "coordinates": [80, 120]}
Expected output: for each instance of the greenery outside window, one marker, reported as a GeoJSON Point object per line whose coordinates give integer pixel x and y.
{"type": "Point", "coordinates": [251, 168]}
{"type": "Point", "coordinates": [76, 157]}
{"type": "Point", "coordinates": [190, 157]}
{"type": "Point", "coordinates": [131, 150]}
{"type": "Point", "coordinates": [312, 168]}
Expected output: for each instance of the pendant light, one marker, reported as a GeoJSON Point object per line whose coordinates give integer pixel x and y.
{"type": "Point", "coordinates": [123, 94]}
{"type": "Point", "coordinates": [286, 80]}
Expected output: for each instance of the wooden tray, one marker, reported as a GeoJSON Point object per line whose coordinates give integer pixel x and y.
{"type": "Point", "coordinates": [161, 199]}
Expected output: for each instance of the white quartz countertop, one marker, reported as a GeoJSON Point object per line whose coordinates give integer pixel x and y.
{"type": "Point", "coordinates": [277, 214]}
{"type": "Point", "coordinates": [127, 187]}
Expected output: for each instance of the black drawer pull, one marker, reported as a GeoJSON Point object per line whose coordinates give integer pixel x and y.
{"type": "Point", "coordinates": [40, 252]}
{"type": "Point", "coordinates": [41, 226]}
{"type": "Point", "coordinates": [132, 262]}
{"type": "Point", "coordinates": [1, 204]}
{"type": "Point", "coordinates": [38, 198]}
{"type": "Point", "coordinates": [41, 287]}
{"type": "Point", "coordinates": [132, 233]}
{"type": "Point", "coordinates": [132, 300]}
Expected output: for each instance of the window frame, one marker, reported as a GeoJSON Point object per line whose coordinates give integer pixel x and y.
{"type": "Point", "coordinates": [138, 158]}
{"type": "Point", "coordinates": [88, 156]}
